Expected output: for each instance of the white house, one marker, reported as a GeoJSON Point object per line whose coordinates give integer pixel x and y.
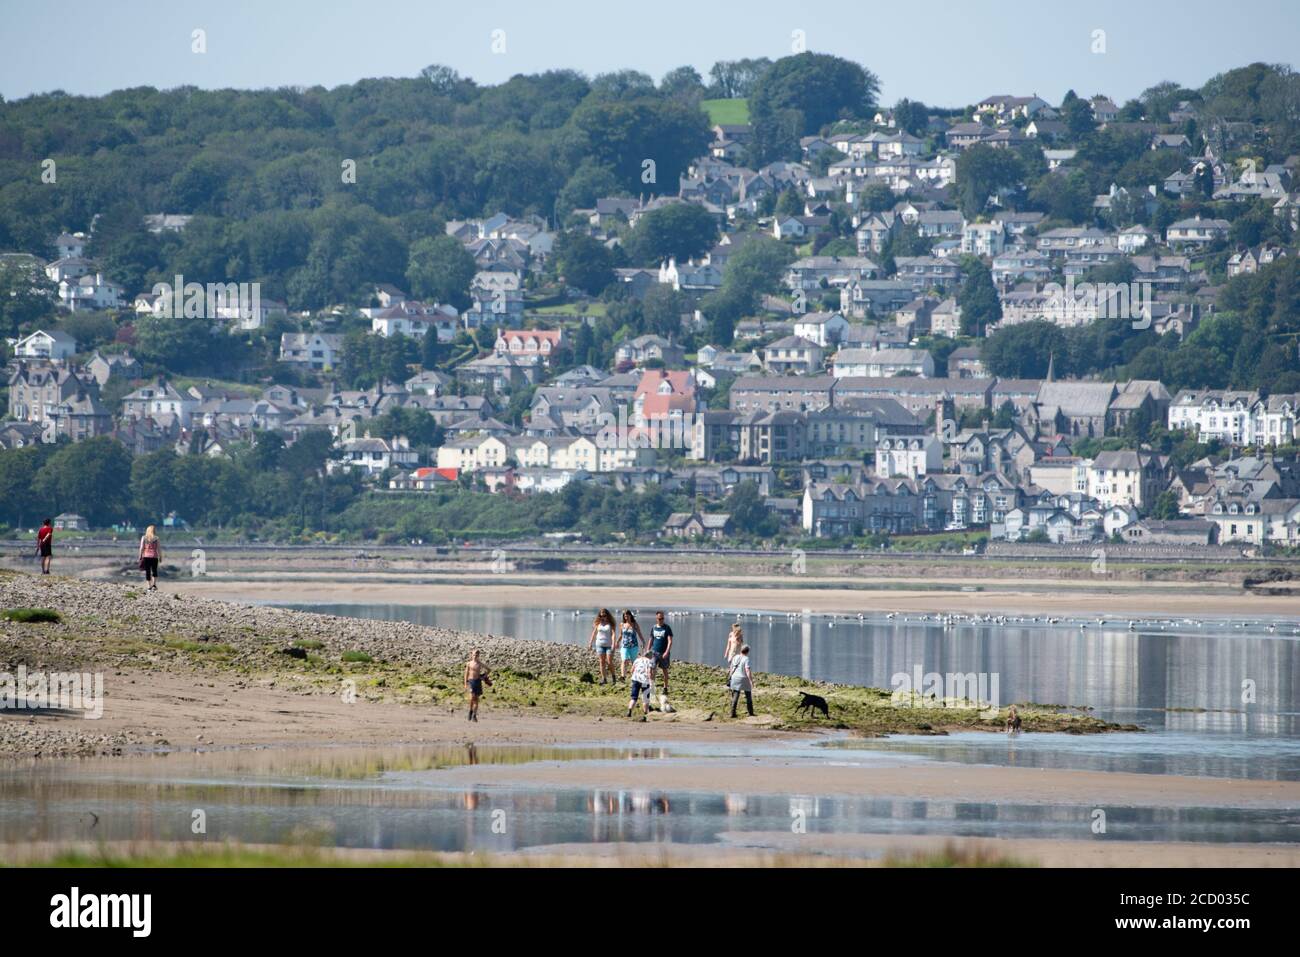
{"type": "Point", "coordinates": [823, 328]}
{"type": "Point", "coordinates": [158, 399]}
{"type": "Point", "coordinates": [55, 346]}
{"type": "Point", "coordinates": [70, 245]}
{"type": "Point", "coordinates": [1197, 231]}
{"type": "Point", "coordinates": [910, 456]}
{"type": "Point", "coordinates": [1236, 418]}
{"type": "Point", "coordinates": [1124, 478]}
{"type": "Point", "coordinates": [373, 456]}
{"type": "Point", "coordinates": [878, 363]}
{"type": "Point", "coordinates": [414, 320]}
{"type": "Point", "coordinates": [983, 239]}
{"type": "Point", "coordinates": [1135, 238]}
{"type": "Point", "coordinates": [474, 452]}
{"type": "Point", "coordinates": [793, 354]}
{"type": "Point", "coordinates": [69, 267]}
{"type": "Point", "coordinates": [315, 350]}
{"type": "Point", "coordinates": [90, 291]}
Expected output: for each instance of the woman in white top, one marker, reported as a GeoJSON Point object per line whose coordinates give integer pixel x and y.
{"type": "Point", "coordinates": [602, 639]}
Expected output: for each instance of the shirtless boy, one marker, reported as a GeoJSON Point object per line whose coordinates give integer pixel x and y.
{"type": "Point", "coordinates": [476, 675]}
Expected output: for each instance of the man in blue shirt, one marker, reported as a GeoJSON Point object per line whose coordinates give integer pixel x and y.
{"type": "Point", "coordinates": [661, 646]}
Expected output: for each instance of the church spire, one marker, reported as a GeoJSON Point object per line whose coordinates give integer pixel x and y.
{"type": "Point", "coordinates": [1051, 367]}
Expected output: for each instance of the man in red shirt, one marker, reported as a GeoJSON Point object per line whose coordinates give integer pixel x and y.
{"type": "Point", "coordinates": [45, 545]}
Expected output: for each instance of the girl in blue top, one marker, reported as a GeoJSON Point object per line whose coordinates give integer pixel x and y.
{"type": "Point", "coordinates": [631, 641]}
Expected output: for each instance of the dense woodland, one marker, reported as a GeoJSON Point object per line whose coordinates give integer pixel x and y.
{"type": "Point", "coordinates": [262, 172]}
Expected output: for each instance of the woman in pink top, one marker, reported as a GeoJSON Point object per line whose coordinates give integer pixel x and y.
{"type": "Point", "coordinates": [150, 555]}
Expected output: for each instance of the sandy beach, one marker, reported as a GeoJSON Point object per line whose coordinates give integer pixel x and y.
{"type": "Point", "coordinates": [196, 673]}
{"type": "Point", "coordinates": [204, 714]}
{"type": "Point", "coordinates": [1028, 596]}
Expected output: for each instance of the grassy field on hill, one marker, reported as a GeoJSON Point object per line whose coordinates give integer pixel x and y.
{"type": "Point", "coordinates": [726, 111]}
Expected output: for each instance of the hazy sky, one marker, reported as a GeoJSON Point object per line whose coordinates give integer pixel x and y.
{"type": "Point", "coordinates": [958, 54]}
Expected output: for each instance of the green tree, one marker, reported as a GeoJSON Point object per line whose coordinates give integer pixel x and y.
{"type": "Point", "coordinates": [19, 500]}
{"type": "Point", "coordinates": [417, 425]}
{"type": "Point", "coordinates": [680, 230]}
{"type": "Point", "coordinates": [26, 295]}
{"type": "Point", "coordinates": [1166, 506]}
{"type": "Point", "coordinates": [91, 478]}
{"type": "Point", "coordinates": [736, 79]}
{"type": "Point", "coordinates": [1076, 113]}
{"type": "Point", "coordinates": [978, 298]}
{"type": "Point", "coordinates": [584, 262]}
{"type": "Point", "coordinates": [981, 172]}
{"type": "Point", "coordinates": [912, 116]}
{"type": "Point", "coordinates": [589, 182]}
{"type": "Point", "coordinates": [1022, 351]}
{"type": "Point", "coordinates": [440, 270]}
{"type": "Point", "coordinates": [684, 83]}
{"type": "Point", "coordinates": [749, 515]}
{"type": "Point", "coordinates": [647, 143]}
{"type": "Point", "coordinates": [175, 344]}
{"type": "Point", "coordinates": [815, 88]}
{"type": "Point", "coordinates": [153, 485]}
{"type": "Point", "coordinates": [752, 270]}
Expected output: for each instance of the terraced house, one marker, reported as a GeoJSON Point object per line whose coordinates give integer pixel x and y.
{"type": "Point", "coordinates": [1236, 418]}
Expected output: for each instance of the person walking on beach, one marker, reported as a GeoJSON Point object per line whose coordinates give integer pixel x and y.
{"type": "Point", "coordinates": [735, 639]}
{"type": "Point", "coordinates": [45, 545]}
{"type": "Point", "coordinates": [661, 646]}
{"type": "Point", "coordinates": [150, 555]}
{"type": "Point", "coordinates": [602, 638]}
{"type": "Point", "coordinates": [476, 675]}
{"type": "Point", "coordinates": [643, 673]}
{"type": "Point", "coordinates": [740, 678]}
{"type": "Point", "coordinates": [631, 640]}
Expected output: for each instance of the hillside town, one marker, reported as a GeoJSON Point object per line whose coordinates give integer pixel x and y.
{"type": "Point", "coordinates": [885, 336]}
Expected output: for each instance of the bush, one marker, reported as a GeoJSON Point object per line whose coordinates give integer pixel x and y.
{"type": "Point", "coordinates": [357, 656]}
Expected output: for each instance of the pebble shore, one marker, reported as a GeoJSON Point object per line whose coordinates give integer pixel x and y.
{"type": "Point", "coordinates": [256, 636]}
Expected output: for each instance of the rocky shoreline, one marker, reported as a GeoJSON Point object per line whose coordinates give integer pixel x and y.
{"type": "Point", "coordinates": [127, 633]}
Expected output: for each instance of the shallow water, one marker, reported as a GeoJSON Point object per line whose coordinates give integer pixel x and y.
{"type": "Point", "coordinates": [1135, 676]}
{"type": "Point", "coordinates": [1236, 756]}
{"type": "Point", "coordinates": [400, 798]}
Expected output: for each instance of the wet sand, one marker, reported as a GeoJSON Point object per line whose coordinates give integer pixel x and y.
{"type": "Point", "coordinates": [214, 711]}
{"type": "Point", "coordinates": [807, 850]}
{"type": "Point", "coordinates": [1184, 599]}
{"type": "Point", "coordinates": [217, 711]}
{"type": "Point", "coordinates": [763, 774]}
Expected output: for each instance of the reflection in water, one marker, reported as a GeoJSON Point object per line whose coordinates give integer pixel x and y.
{"type": "Point", "coordinates": [1174, 752]}
{"type": "Point", "coordinates": [337, 798]}
{"type": "Point", "coordinates": [1132, 672]}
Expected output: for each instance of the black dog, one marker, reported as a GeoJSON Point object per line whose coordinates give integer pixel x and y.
{"type": "Point", "coordinates": [812, 702]}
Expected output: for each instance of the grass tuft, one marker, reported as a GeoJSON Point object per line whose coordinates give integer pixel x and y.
{"type": "Point", "coordinates": [31, 615]}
